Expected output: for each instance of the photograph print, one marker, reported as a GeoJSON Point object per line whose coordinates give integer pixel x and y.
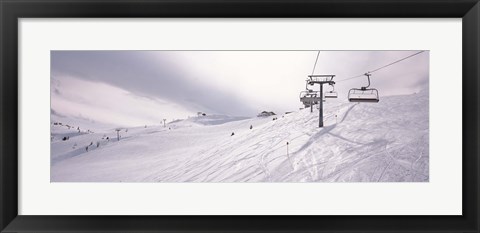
{"type": "Point", "coordinates": [239, 116]}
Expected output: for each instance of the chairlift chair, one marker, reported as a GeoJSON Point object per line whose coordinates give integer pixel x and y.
{"type": "Point", "coordinates": [332, 93]}
{"type": "Point", "coordinates": [309, 97]}
{"type": "Point", "coordinates": [364, 94]}
{"type": "Point", "coordinates": [306, 86]}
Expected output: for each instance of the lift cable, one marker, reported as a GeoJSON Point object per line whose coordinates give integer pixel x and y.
{"type": "Point", "coordinates": [316, 60]}
{"type": "Point", "coordinates": [358, 76]}
{"type": "Point", "coordinates": [397, 61]}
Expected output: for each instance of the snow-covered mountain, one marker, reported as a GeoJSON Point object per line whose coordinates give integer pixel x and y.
{"type": "Point", "coordinates": [204, 120]}
{"type": "Point", "coordinates": [383, 142]}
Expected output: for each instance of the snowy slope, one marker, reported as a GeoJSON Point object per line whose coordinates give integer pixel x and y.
{"type": "Point", "coordinates": [384, 142]}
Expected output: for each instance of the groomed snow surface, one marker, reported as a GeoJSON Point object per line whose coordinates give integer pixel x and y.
{"type": "Point", "coordinates": [367, 142]}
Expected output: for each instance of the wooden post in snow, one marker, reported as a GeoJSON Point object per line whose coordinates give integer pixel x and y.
{"type": "Point", "coordinates": [118, 134]}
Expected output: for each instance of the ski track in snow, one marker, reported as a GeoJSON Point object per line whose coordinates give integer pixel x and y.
{"type": "Point", "coordinates": [384, 142]}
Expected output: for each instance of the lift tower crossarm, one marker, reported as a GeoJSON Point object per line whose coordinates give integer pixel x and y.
{"type": "Point", "coordinates": [325, 76]}
{"type": "Point", "coordinates": [322, 75]}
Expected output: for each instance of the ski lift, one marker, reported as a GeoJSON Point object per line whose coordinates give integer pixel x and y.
{"type": "Point", "coordinates": [309, 97]}
{"type": "Point", "coordinates": [306, 86]}
{"type": "Point", "coordinates": [364, 94]}
{"type": "Point", "coordinates": [332, 93]}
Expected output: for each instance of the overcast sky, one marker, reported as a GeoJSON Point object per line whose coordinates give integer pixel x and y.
{"type": "Point", "coordinates": [132, 88]}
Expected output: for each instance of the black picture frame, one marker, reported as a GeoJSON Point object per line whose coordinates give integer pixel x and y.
{"type": "Point", "coordinates": [11, 11]}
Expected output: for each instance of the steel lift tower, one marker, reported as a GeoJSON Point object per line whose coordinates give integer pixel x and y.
{"type": "Point", "coordinates": [321, 79]}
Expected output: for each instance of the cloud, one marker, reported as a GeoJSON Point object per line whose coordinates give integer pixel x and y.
{"type": "Point", "coordinates": [109, 104]}
{"type": "Point", "coordinates": [146, 73]}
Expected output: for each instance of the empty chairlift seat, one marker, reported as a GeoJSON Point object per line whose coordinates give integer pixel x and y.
{"type": "Point", "coordinates": [331, 94]}
{"type": "Point", "coordinates": [363, 95]}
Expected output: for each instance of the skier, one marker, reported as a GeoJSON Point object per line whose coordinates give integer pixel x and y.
{"type": "Point", "coordinates": [232, 134]}
{"type": "Point", "coordinates": [251, 126]}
